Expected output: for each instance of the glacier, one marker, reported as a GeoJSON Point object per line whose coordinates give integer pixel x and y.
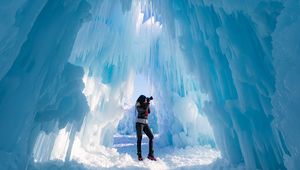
{"type": "Point", "coordinates": [224, 76]}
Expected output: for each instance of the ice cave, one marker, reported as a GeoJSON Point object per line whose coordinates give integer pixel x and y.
{"type": "Point", "coordinates": [224, 75]}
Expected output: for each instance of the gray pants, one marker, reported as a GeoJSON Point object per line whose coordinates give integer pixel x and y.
{"type": "Point", "coordinates": [139, 133]}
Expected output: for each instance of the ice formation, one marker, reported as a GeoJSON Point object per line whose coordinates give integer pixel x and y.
{"type": "Point", "coordinates": [224, 76]}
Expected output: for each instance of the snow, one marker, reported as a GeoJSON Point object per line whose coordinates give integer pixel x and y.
{"type": "Point", "coordinates": [123, 156]}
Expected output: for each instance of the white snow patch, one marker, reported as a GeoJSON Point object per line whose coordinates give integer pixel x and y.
{"type": "Point", "coordinates": [123, 156]}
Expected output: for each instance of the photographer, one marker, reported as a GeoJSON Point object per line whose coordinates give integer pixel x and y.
{"type": "Point", "coordinates": [143, 109]}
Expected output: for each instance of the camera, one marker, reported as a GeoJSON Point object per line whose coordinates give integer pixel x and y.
{"type": "Point", "coordinates": [149, 98]}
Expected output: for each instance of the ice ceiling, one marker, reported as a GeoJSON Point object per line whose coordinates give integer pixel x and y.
{"type": "Point", "coordinates": [222, 73]}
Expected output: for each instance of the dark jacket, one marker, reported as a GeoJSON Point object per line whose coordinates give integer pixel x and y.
{"type": "Point", "coordinates": [141, 109]}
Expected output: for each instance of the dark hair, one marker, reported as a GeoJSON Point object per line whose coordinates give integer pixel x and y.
{"type": "Point", "coordinates": [141, 99]}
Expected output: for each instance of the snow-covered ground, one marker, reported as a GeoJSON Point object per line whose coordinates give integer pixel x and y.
{"type": "Point", "coordinates": [123, 156]}
{"type": "Point", "coordinates": [168, 157]}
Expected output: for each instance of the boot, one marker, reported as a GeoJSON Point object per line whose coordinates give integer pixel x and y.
{"type": "Point", "coordinates": [140, 158]}
{"type": "Point", "coordinates": [151, 157]}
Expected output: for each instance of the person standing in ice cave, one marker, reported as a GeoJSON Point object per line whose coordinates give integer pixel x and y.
{"type": "Point", "coordinates": [143, 109]}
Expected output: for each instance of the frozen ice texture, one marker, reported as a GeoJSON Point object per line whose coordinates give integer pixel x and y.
{"type": "Point", "coordinates": [222, 73]}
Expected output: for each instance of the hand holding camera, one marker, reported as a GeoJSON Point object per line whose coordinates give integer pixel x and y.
{"type": "Point", "coordinates": [149, 99]}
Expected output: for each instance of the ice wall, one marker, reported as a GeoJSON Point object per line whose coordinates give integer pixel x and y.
{"type": "Point", "coordinates": [230, 45]}
{"type": "Point", "coordinates": [18, 17]}
{"type": "Point", "coordinates": [34, 82]}
{"type": "Point", "coordinates": [285, 100]}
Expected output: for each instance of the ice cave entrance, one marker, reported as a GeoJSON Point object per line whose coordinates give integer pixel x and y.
{"type": "Point", "coordinates": [115, 76]}
{"type": "Point", "coordinates": [180, 143]}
